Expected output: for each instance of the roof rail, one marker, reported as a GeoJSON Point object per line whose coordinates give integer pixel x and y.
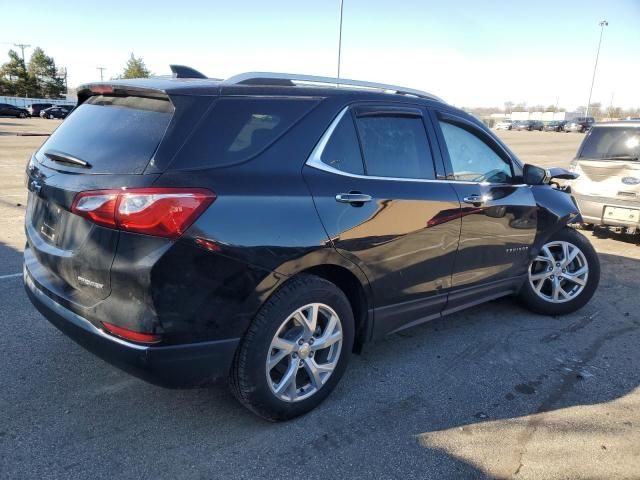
{"type": "Point", "coordinates": [272, 78]}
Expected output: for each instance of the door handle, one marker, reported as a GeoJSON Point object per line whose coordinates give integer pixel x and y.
{"type": "Point", "coordinates": [475, 200]}
{"type": "Point", "coordinates": [353, 198]}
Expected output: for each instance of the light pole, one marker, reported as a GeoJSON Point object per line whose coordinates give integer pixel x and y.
{"type": "Point", "coordinates": [602, 24]}
{"type": "Point", "coordinates": [102, 69]}
{"type": "Point", "coordinates": [340, 39]}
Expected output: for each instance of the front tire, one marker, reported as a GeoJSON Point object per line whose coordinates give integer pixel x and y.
{"type": "Point", "coordinates": [295, 350]}
{"type": "Point", "coordinates": [563, 277]}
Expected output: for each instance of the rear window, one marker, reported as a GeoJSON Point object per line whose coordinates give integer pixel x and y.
{"type": "Point", "coordinates": [612, 143]}
{"type": "Point", "coordinates": [237, 129]}
{"type": "Point", "coordinates": [112, 134]}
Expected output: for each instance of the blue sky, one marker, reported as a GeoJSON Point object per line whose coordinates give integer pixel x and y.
{"type": "Point", "coordinates": [472, 53]}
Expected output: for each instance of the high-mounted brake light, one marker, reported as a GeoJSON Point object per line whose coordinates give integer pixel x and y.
{"type": "Point", "coordinates": [132, 335]}
{"type": "Point", "coordinates": [161, 212]}
{"type": "Point", "coordinates": [101, 89]}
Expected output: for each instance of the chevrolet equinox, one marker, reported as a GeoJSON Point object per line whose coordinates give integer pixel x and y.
{"type": "Point", "coordinates": [262, 228]}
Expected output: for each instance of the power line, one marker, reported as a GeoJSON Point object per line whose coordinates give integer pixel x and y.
{"type": "Point", "coordinates": [102, 69]}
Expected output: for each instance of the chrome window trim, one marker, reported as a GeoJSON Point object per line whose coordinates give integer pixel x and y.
{"type": "Point", "coordinates": [315, 161]}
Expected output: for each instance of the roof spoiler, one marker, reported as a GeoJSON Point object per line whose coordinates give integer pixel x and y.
{"type": "Point", "coordinates": [182, 71]}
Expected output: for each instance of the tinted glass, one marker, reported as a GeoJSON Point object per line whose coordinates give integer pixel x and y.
{"type": "Point", "coordinates": [472, 159]}
{"type": "Point", "coordinates": [112, 134]}
{"type": "Point", "coordinates": [236, 129]}
{"type": "Point", "coordinates": [342, 150]}
{"type": "Point", "coordinates": [395, 147]}
{"type": "Point", "coordinates": [611, 143]}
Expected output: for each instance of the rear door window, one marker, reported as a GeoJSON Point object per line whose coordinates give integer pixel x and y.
{"type": "Point", "coordinates": [112, 134]}
{"type": "Point", "coordinates": [237, 129]}
{"type": "Point", "coordinates": [395, 145]}
{"type": "Point", "coordinates": [342, 151]}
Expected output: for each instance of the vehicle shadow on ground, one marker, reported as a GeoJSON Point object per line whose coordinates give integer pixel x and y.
{"type": "Point", "coordinates": [600, 232]}
{"type": "Point", "coordinates": [490, 364]}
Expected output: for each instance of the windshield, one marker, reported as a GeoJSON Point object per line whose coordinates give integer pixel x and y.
{"type": "Point", "coordinates": [612, 143]}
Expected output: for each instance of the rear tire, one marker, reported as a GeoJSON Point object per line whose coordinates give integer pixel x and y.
{"type": "Point", "coordinates": [563, 277]}
{"type": "Point", "coordinates": [281, 370]}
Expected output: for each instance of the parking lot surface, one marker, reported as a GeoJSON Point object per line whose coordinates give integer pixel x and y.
{"type": "Point", "coordinates": [493, 392]}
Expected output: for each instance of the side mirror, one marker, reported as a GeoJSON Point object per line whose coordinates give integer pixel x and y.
{"type": "Point", "coordinates": [561, 173]}
{"type": "Point", "coordinates": [533, 175]}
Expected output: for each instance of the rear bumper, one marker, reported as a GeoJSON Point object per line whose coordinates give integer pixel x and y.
{"type": "Point", "coordinates": [592, 209]}
{"type": "Point", "coordinates": [172, 366]}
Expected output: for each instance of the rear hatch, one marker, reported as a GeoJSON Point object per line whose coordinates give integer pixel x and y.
{"type": "Point", "coordinates": [608, 163]}
{"type": "Point", "coordinates": [107, 142]}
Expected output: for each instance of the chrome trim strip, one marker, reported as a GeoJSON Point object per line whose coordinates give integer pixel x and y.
{"type": "Point", "coordinates": [315, 161]}
{"type": "Point", "coordinates": [332, 81]}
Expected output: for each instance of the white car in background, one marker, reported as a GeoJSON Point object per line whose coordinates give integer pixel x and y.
{"type": "Point", "coordinates": [504, 125]}
{"type": "Point", "coordinates": [608, 187]}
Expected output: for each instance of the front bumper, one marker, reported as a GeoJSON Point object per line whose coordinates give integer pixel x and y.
{"type": "Point", "coordinates": [592, 209]}
{"type": "Point", "coordinates": [171, 366]}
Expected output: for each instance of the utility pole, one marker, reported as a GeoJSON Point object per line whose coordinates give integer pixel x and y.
{"type": "Point", "coordinates": [63, 72]}
{"type": "Point", "coordinates": [602, 24]}
{"type": "Point", "coordinates": [611, 105]}
{"type": "Point", "coordinates": [340, 39]}
{"type": "Point", "coordinates": [102, 69]}
{"type": "Point", "coordinates": [22, 46]}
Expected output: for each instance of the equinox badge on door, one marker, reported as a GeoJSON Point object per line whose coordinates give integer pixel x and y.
{"type": "Point", "coordinates": [90, 283]}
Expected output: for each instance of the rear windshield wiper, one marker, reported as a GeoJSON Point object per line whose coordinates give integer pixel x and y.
{"type": "Point", "coordinates": [61, 157]}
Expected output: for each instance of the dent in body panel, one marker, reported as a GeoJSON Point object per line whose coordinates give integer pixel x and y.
{"type": "Point", "coordinates": [495, 235]}
{"type": "Point", "coordinates": [556, 209]}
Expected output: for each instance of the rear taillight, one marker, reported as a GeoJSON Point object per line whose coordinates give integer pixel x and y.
{"type": "Point", "coordinates": [162, 212]}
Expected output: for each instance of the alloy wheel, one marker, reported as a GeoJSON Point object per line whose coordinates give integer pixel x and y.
{"type": "Point", "coordinates": [304, 352]}
{"type": "Point", "coordinates": [559, 273]}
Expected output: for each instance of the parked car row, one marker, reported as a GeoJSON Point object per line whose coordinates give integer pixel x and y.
{"type": "Point", "coordinates": [579, 124]}
{"type": "Point", "coordinates": [44, 110]}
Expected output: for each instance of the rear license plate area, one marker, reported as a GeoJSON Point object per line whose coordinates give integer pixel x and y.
{"type": "Point", "coordinates": [45, 218]}
{"type": "Point", "coordinates": [628, 215]}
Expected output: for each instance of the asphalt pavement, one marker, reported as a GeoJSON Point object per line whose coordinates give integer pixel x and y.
{"type": "Point", "coordinates": [493, 392]}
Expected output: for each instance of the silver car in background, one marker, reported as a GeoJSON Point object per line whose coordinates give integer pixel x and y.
{"type": "Point", "coordinates": [608, 188]}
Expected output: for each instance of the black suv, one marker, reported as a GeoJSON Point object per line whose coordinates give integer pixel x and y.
{"type": "Point", "coordinates": [7, 109]}
{"type": "Point", "coordinates": [528, 125]}
{"type": "Point", "coordinates": [261, 229]}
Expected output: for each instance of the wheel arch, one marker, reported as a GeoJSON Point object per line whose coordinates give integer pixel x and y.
{"type": "Point", "coordinates": [557, 210]}
{"type": "Point", "coordinates": [328, 264]}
